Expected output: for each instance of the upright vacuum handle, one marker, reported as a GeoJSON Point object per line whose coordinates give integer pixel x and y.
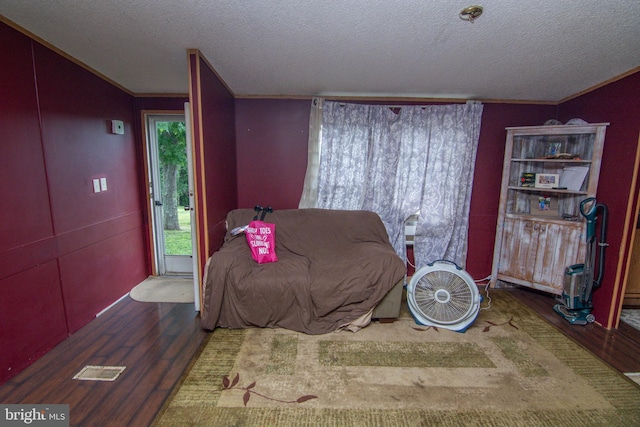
{"type": "Point", "coordinates": [588, 209]}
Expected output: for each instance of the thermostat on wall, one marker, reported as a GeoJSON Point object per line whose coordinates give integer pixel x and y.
{"type": "Point", "coordinates": [117, 127]}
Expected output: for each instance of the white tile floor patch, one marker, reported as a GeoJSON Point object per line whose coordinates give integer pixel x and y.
{"type": "Point", "coordinates": [631, 317]}
{"type": "Point", "coordinates": [99, 373]}
{"type": "Point", "coordinates": [634, 376]}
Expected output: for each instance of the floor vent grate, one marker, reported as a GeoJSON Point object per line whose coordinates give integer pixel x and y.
{"type": "Point", "coordinates": [99, 373]}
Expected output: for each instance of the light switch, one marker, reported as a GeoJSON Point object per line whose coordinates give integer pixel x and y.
{"type": "Point", "coordinates": [103, 184]}
{"type": "Point", "coordinates": [96, 185]}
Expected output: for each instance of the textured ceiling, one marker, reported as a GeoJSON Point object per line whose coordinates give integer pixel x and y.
{"type": "Point", "coordinates": [546, 50]}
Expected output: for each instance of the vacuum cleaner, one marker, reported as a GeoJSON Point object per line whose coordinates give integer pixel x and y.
{"type": "Point", "coordinates": [580, 281]}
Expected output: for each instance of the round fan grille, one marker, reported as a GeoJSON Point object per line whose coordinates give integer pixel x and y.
{"type": "Point", "coordinates": [442, 294]}
{"type": "Point", "coordinates": [443, 297]}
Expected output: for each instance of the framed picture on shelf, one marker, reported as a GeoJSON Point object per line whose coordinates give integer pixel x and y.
{"type": "Point", "coordinates": [547, 180]}
{"type": "Point", "coordinates": [543, 205]}
{"type": "Point", "coordinates": [554, 148]}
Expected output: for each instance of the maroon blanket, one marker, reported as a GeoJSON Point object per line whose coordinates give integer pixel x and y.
{"type": "Point", "coordinates": [333, 267]}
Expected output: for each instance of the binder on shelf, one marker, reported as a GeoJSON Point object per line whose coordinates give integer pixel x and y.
{"type": "Point", "coordinates": [573, 176]}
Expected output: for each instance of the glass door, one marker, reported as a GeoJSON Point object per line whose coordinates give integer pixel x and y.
{"type": "Point", "coordinates": [171, 193]}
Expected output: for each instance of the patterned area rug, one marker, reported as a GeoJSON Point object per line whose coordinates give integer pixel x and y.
{"type": "Point", "coordinates": [510, 368]}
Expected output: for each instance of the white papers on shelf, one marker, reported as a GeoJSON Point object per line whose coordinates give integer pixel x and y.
{"type": "Point", "coordinates": [573, 176]}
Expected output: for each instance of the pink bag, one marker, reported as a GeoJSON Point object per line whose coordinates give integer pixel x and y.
{"type": "Point", "coordinates": [261, 237]}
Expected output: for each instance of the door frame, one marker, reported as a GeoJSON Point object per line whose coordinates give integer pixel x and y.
{"type": "Point", "coordinates": [628, 237]}
{"type": "Point", "coordinates": [165, 264]}
{"type": "Point", "coordinates": [148, 194]}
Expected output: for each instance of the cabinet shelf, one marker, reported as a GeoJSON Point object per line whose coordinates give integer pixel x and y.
{"type": "Point", "coordinates": [554, 220]}
{"type": "Point", "coordinates": [575, 161]}
{"type": "Point", "coordinates": [547, 190]}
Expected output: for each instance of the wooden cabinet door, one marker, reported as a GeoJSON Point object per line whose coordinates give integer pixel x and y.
{"type": "Point", "coordinates": [536, 253]}
{"type": "Point", "coordinates": [518, 249]}
{"type": "Point", "coordinates": [558, 247]}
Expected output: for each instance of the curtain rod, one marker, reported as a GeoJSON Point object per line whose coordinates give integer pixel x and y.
{"type": "Point", "coordinates": [409, 101]}
{"type": "Point", "coordinates": [403, 105]}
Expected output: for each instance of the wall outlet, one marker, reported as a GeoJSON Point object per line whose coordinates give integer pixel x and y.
{"type": "Point", "coordinates": [103, 184]}
{"type": "Point", "coordinates": [96, 185]}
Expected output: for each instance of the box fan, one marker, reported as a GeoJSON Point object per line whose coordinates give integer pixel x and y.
{"type": "Point", "coordinates": [443, 295]}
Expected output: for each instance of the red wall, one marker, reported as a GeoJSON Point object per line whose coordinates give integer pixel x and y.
{"type": "Point", "coordinates": [219, 142]}
{"type": "Point", "coordinates": [272, 137]}
{"type": "Point", "coordinates": [215, 173]}
{"type": "Point", "coordinates": [272, 140]}
{"type": "Point", "coordinates": [485, 197]}
{"type": "Point", "coordinates": [65, 252]}
{"type": "Point", "coordinates": [616, 103]}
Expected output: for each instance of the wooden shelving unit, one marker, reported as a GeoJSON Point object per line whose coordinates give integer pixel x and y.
{"type": "Point", "coordinates": [540, 230]}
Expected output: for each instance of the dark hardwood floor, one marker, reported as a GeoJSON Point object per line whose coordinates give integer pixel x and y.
{"type": "Point", "coordinates": [620, 348]}
{"type": "Point", "coordinates": [156, 342]}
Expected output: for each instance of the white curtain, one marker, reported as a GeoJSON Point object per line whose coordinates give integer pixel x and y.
{"type": "Point", "coordinates": [310, 189]}
{"type": "Point", "coordinates": [397, 161]}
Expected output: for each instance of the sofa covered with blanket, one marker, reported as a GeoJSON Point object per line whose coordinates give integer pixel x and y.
{"type": "Point", "coordinates": [334, 268]}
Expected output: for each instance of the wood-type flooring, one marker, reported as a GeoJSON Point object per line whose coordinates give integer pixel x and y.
{"type": "Point", "coordinates": [157, 342]}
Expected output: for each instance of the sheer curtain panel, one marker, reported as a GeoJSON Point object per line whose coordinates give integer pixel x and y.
{"type": "Point", "coordinates": [310, 189]}
{"type": "Point", "coordinates": [397, 161]}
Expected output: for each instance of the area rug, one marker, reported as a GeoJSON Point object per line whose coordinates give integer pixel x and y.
{"type": "Point", "coordinates": [510, 368]}
{"type": "Point", "coordinates": [164, 289]}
